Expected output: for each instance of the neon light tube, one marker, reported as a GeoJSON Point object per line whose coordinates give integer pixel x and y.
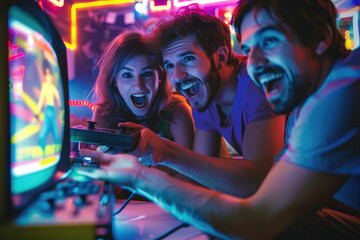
{"type": "Point", "coordinates": [185, 3]}
{"type": "Point", "coordinates": [154, 8]}
{"type": "Point", "coordinates": [73, 44]}
{"type": "Point", "coordinates": [58, 3]}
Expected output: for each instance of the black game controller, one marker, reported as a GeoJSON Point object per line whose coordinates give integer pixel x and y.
{"type": "Point", "coordinates": [123, 137]}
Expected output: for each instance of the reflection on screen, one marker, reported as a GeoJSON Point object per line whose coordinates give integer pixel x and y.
{"type": "Point", "coordinates": [36, 104]}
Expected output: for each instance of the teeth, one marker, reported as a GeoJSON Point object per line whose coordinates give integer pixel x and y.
{"type": "Point", "coordinates": [270, 77]}
{"type": "Point", "coordinates": [138, 99]}
{"type": "Point", "coordinates": [139, 95]}
{"type": "Point", "coordinates": [186, 86]}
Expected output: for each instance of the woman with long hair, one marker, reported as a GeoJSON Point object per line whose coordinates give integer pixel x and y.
{"type": "Point", "coordinates": [131, 86]}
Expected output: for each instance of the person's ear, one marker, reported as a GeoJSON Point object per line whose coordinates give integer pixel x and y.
{"type": "Point", "coordinates": [222, 54]}
{"type": "Point", "coordinates": [326, 43]}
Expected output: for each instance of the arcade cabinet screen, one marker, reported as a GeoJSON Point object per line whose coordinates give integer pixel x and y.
{"type": "Point", "coordinates": [36, 105]}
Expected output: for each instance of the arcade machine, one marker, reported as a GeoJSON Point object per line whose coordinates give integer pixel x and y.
{"type": "Point", "coordinates": [40, 196]}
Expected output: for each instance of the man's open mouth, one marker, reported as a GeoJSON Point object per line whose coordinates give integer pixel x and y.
{"type": "Point", "coordinates": [139, 100]}
{"type": "Point", "coordinates": [271, 82]}
{"type": "Point", "coordinates": [191, 88]}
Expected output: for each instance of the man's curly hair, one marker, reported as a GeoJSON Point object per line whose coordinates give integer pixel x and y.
{"type": "Point", "coordinates": [211, 32]}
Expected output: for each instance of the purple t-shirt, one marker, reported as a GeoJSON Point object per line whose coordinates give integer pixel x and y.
{"type": "Point", "coordinates": [249, 105]}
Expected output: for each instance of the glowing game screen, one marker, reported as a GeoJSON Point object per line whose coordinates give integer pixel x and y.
{"type": "Point", "coordinates": [36, 104]}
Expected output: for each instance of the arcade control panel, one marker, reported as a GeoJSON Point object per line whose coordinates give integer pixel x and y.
{"type": "Point", "coordinates": [75, 207]}
{"type": "Point", "coordinates": [70, 210]}
{"type": "Point", "coordinates": [123, 137]}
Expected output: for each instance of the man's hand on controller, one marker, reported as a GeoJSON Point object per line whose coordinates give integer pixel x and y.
{"type": "Point", "coordinates": [108, 149]}
{"type": "Point", "coordinates": [151, 148]}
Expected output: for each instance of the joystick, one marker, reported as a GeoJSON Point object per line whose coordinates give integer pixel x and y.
{"type": "Point", "coordinates": [81, 200]}
{"type": "Point", "coordinates": [122, 129]}
{"type": "Point", "coordinates": [124, 138]}
{"type": "Point", "coordinates": [47, 200]}
{"type": "Point", "coordinates": [91, 125]}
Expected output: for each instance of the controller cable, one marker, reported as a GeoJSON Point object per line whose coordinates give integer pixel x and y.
{"type": "Point", "coordinates": [124, 204]}
{"type": "Point", "coordinates": [172, 231]}
{"type": "Point", "coordinates": [163, 235]}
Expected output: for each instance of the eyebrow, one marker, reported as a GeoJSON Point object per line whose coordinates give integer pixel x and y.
{"type": "Point", "coordinates": [144, 68]}
{"type": "Point", "coordinates": [261, 31]}
{"type": "Point", "coordinates": [267, 28]}
{"type": "Point", "coordinates": [181, 55]}
{"type": "Point", "coordinates": [125, 68]}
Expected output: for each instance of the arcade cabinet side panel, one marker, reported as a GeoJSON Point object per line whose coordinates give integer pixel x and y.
{"type": "Point", "coordinates": [4, 119]}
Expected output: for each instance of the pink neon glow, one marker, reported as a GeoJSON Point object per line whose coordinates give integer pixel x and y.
{"type": "Point", "coordinates": [16, 55]}
{"type": "Point", "coordinates": [180, 3]}
{"type": "Point", "coordinates": [28, 162]}
{"type": "Point", "coordinates": [38, 40]}
{"type": "Point", "coordinates": [12, 46]}
{"type": "Point", "coordinates": [21, 112]}
{"type": "Point", "coordinates": [154, 8]}
{"type": "Point", "coordinates": [58, 3]}
{"type": "Point", "coordinates": [82, 103]}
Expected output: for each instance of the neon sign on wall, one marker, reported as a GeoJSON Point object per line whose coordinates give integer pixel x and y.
{"type": "Point", "coordinates": [58, 3]}
{"type": "Point", "coordinates": [180, 3]}
{"type": "Point", "coordinates": [78, 6]}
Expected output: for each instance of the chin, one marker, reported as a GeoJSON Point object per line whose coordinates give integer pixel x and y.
{"type": "Point", "coordinates": [201, 107]}
{"type": "Point", "coordinates": [139, 112]}
{"type": "Point", "coordinates": [282, 107]}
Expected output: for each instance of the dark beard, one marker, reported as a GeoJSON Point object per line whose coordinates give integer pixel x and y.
{"type": "Point", "coordinates": [212, 79]}
{"type": "Point", "coordinates": [294, 92]}
{"type": "Point", "coordinates": [295, 98]}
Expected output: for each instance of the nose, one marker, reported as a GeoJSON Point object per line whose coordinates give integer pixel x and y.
{"type": "Point", "coordinates": [139, 83]}
{"type": "Point", "coordinates": [257, 60]}
{"type": "Point", "coordinates": [178, 74]}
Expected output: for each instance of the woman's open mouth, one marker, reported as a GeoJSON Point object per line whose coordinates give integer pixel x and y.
{"type": "Point", "coordinates": [139, 100]}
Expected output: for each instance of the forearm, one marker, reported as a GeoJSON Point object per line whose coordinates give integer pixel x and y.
{"type": "Point", "coordinates": [238, 177]}
{"type": "Point", "coordinates": [208, 210]}
{"type": "Point", "coordinates": [288, 192]}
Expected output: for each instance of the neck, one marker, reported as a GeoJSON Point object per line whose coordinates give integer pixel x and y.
{"type": "Point", "coordinates": [228, 84]}
{"type": "Point", "coordinates": [325, 68]}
